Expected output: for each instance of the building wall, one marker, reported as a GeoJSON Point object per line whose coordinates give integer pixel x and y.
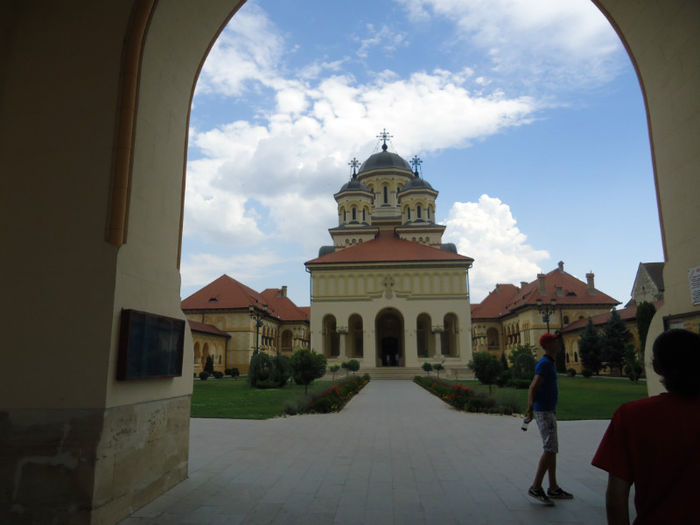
{"type": "Point", "coordinates": [209, 344]}
{"type": "Point", "coordinates": [411, 291]}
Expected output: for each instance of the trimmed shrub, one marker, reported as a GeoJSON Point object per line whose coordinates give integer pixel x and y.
{"type": "Point", "coordinates": [587, 372]}
{"type": "Point", "coordinates": [520, 384]}
{"type": "Point", "coordinates": [209, 366]}
{"type": "Point", "coordinates": [234, 372]}
{"type": "Point", "coordinates": [218, 375]}
{"type": "Point", "coordinates": [523, 362]}
{"type": "Point", "coordinates": [203, 376]}
{"type": "Point", "coordinates": [333, 370]}
{"type": "Point", "coordinates": [571, 372]}
{"type": "Point", "coordinates": [306, 366]}
{"type": "Point", "coordinates": [437, 367]}
{"type": "Point", "coordinates": [427, 367]}
{"type": "Point", "coordinates": [353, 365]}
{"type": "Point", "coordinates": [486, 368]}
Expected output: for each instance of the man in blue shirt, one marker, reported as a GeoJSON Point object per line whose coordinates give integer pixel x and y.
{"type": "Point", "coordinates": [542, 398]}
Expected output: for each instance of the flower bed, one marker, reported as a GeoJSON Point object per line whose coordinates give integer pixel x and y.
{"type": "Point", "coordinates": [461, 397]}
{"type": "Point", "coordinates": [332, 399]}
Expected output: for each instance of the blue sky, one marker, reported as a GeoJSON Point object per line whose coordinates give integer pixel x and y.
{"type": "Point", "coordinates": [527, 114]}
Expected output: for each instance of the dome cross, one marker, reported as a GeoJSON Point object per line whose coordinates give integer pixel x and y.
{"type": "Point", "coordinates": [416, 163]}
{"type": "Point", "coordinates": [384, 135]}
{"type": "Point", "coordinates": [354, 164]}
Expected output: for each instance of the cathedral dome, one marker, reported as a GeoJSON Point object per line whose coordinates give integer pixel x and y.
{"type": "Point", "coordinates": [417, 184]}
{"type": "Point", "coordinates": [354, 185]}
{"type": "Point", "coordinates": [384, 160]}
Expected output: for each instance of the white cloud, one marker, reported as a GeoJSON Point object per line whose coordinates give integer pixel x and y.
{"type": "Point", "coordinates": [200, 269]}
{"type": "Point", "coordinates": [551, 42]}
{"type": "Point", "coordinates": [487, 231]}
{"type": "Point", "coordinates": [247, 52]}
{"type": "Point", "coordinates": [300, 151]}
{"type": "Point", "coordinates": [385, 37]}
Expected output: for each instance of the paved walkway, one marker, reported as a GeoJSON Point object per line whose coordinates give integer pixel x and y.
{"type": "Point", "coordinates": [395, 455]}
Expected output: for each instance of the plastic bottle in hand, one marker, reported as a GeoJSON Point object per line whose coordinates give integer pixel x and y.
{"type": "Point", "coordinates": [526, 422]}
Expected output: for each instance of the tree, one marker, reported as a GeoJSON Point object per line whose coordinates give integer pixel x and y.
{"type": "Point", "coordinates": [427, 367]}
{"type": "Point", "coordinates": [523, 362]}
{"type": "Point", "coordinates": [633, 367]}
{"type": "Point", "coordinates": [333, 370]}
{"type": "Point", "coordinates": [437, 367]}
{"type": "Point", "coordinates": [353, 365]}
{"type": "Point", "coordinates": [486, 368]}
{"type": "Point", "coordinates": [209, 366]}
{"type": "Point", "coordinates": [504, 360]}
{"type": "Point", "coordinates": [307, 365]}
{"type": "Point", "coordinates": [645, 312]}
{"type": "Point", "coordinates": [615, 338]}
{"type": "Point", "coordinates": [590, 348]}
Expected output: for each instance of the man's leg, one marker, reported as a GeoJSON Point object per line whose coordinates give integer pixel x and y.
{"type": "Point", "coordinates": [548, 463]}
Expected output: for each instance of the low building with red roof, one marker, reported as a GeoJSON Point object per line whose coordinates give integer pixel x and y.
{"type": "Point", "coordinates": [388, 292]}
{"type": "Point", "coordinates": [223, 307]}
{"type": "Point", "coordinates": [512, 315]}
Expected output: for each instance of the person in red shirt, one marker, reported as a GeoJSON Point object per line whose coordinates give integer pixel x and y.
{"type": "Point", "coordinates": [654, 443]}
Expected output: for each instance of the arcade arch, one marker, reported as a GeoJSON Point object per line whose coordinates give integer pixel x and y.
{"type": "Point", "coordinates": [390, 338]}
{"type": "Point", "coordinates": [142, 174]}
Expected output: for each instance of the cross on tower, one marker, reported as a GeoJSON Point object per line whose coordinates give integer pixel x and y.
{"type": "Point", "coordinates": [416, 162]}
{"type": "Point", "coordinates": [384, 135]}
{"type": "Point", "coordinates": [354, 164]}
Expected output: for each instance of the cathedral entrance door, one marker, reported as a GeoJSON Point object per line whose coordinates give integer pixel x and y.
{"type": "Point", "coordinates": [390, 340]}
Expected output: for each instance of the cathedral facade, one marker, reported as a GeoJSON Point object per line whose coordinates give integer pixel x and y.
{"type": "Point", "coordinates": [388, 292]}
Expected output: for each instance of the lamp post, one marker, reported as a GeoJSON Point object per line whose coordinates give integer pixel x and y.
{"type": "Point", "coordinates": [546, 310]}
{"type": "Point", "coordinates": [258, 316]}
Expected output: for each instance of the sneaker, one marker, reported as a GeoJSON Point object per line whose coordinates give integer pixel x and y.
{"type": "Point", "coordinates": [559, 493]}
{"type": "Point", "coordinates": [538, 496]}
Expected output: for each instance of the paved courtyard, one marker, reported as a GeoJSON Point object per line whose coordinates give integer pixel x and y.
{"type": "Point", "coordinates": [395, 455]}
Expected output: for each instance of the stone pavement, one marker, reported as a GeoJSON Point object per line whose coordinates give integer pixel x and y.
{"type": "Point", "coordinates": [396, 454]}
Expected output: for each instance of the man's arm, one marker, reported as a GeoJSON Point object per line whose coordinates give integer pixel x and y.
{"type": "Point", "coordinates": [534, 387]}
{"type": "Point", "coordinates": [616, 501]}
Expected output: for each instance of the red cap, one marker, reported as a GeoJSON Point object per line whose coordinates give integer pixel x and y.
{"type": "Point", "coordinates": [546, 339]}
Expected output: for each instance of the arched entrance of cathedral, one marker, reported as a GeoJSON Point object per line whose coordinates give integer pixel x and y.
{"type": "Point", "coordinates": [390, 338]}
{"type": "Point", "coordinates": [132, 82]}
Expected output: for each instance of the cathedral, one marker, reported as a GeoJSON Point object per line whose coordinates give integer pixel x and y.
{"type": "Point", "coordinates": [388, 292]}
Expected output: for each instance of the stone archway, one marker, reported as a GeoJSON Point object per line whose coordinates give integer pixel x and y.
{"type": "Point", "coordinates": [132, 83]}
{"type": "Point", "coordinates": [389, 327]}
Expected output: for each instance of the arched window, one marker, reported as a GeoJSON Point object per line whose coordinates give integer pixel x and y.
{"type": "Point", "coordinates": [418, 210]}
{"type": "Point", "coordinates": [449, 336]}
{"type": "Point", "coordinates": [345, 216]}
{"type": "Point", "coordinates": [386, 195]}
{"type": "Point", "coordinates": [576, 357]}
{"type": "Point", "coordinates": [409, 213]}
{"type": "Point", "coordinates": [354, 213]}
{"type": "Point", "coordinates": [331, 338]}
{"type": "Point", "coordinates": [428, 212]}
{"type": "Point", "coordinates": [492, 338]}
{"type": "Point", "coordinates": [566, 319]}
{"type": "Point", "coordinates": [425, 342]}
{"type": "Point", "coordinates": [364, 219]}
{"type": "Point", "coordinates": [355, 337]}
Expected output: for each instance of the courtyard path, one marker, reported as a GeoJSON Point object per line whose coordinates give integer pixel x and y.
{"type": "Point", "coordinates": [395, 455]}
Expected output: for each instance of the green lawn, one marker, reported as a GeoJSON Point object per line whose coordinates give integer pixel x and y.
{"type": "Point", "coordinates": [233, 399]}
{"type": "Point", "coordinates": [579, 397]}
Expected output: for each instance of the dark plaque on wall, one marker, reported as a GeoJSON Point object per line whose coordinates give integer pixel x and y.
{"type": "Point", "coordinates": [150, 346]}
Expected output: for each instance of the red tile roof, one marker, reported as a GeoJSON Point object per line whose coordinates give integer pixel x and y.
{"type": "Point", "coordinates": [628, 313]}
{"type": "Point", "coordinates": [284, 306]}
{"type": "Point", "coordinates": [386, 247]}
{"type": "Point", "coordinates": [223, 293]}
{"type": "Point", "coordinates": [506, 299]}
{"type": "Point", "coordinates": [206, 328]}
{"type": "Point", "coordinates": [495, 304]}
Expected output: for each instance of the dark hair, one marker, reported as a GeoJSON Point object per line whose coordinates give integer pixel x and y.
{"type": "Point", "coordinates": [677, 360]}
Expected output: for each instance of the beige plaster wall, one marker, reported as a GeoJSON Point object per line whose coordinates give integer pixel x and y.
{"type": "Point", "coordinates": [664, 43]}
{"type": "Point", "coordinates": [435, 291]}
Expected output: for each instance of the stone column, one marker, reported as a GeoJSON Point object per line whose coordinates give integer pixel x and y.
{"type": "Point", "coordinates": [343, 337]}
{"type": "Point", "coordinates": [437, 330]}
